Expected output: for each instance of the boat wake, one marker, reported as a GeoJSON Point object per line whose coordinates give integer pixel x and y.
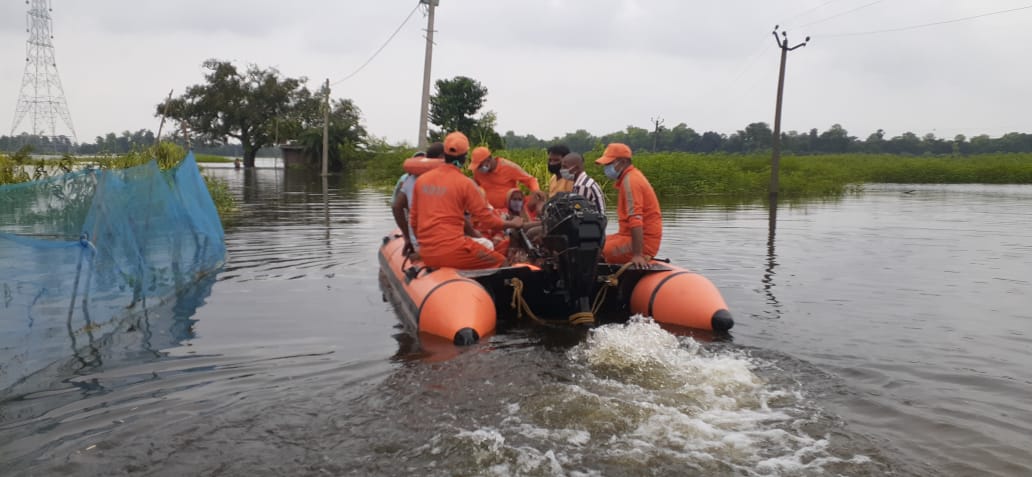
{"type": "Point", "coordinates": [639, 400]}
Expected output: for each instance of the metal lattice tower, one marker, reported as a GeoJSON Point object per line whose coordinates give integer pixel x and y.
{"type": "Point", "coordinates": [42, 97]}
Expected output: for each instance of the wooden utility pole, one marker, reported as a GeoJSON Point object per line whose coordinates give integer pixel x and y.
{"type": "Point", "coordinates": [326, 130]}
{"type": "Point", "coordinates": [186, 135]}
{"type": "Point", "coordinates": [424, 105]}
{"type": "Point", "coordinates": [658, 121]}
{"type": "Point", "coordinates": [776, 158]}
{"type": "Point", "coordinates": [164, 114]}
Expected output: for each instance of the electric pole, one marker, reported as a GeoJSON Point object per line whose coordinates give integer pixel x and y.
{"type": "Point", "coordinates": [326, 130]}
{"type": "Point", "coordinates": [164, 113]}
{"type": "Point", "coordinates": [658, 121]}
{"type": "Point", "coordinates": [424, 105]}
{"type": "Point", "coordinates": [776, 158]}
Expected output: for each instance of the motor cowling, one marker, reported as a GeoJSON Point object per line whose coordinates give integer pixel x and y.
{"type": "Point", "coordinates": [574, 235]}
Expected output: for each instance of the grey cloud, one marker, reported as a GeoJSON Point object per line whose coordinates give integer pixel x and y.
{"type": "Point", "coordinates": [710, 64]}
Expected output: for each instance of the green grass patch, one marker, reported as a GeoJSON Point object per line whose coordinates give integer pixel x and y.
{"type": "Point", "coordinates": [16, 168]}
{"type": "Point", "coordinates": [212, 159]}
{"type": "Point", "coordinates": [687, 175]}
{"type": "Point", "coordinates": [11, 172]}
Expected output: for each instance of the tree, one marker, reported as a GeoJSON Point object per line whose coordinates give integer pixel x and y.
{"type": "Point", "coordinates": [710, 141]}
{"type": "Point", "coordinates": [240, 105]}
{"type": "Point", "coordinates": [934, 145]}
{"type": "Point", "coordinates": [908, 143]}
{"type": "Point", "coordinates": [578, 141]}
{"type": "Point", "coordinates": [682, 138]}
{"type": "Point", "coordinates": [528, 141]}
{"type": "Point", "coordinates": [483, 132]}
{"type": "Point", "coordinates": [875, 142]}
{"type": "Point", "coordinates": [836, 139]}
{"type": "Point", "coordinates": [453, 105]}
{"type": "Point", "coordinates": [756, 137]}
{"type": "Point", "coordinates": [345, 134]}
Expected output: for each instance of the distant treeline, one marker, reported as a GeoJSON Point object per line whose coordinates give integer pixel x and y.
{"type": "Point", "coordinates": [758, 137]}
{"type": "Point", "coordinates": [111, 144]}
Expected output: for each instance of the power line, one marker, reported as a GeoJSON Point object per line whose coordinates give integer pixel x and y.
{"type": "Point", "coordinates": [843, 13]}
{"type": "Point", "coordinates": [818, 7]}
{"type": "Point", "coordinates": [378, 50]}
{"type": "Point", "coordinates": [924, 25]}
{"type": "Point", "coordinates": [764, 46]}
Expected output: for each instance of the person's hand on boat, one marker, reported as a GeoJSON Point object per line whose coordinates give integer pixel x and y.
{"type": "Point", "coordinates": [639, 262]}
{"type": "Point", "coordinates": [529, 224]}
{"type": "Point", "coordinates": [515, 222]}
{"type": "Point", "coordinates": [408, 249]}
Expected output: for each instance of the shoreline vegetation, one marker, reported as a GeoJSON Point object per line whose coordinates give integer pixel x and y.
{"type": "Point", "coordinates": [675, 175]}
{"type": "Point", "coordinates": [20, 167]}
{"type": "Point", "coordinates": [747, 176]}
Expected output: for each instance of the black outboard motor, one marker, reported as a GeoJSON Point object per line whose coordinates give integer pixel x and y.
{"type": "Point", "coordinates": [574, 234]}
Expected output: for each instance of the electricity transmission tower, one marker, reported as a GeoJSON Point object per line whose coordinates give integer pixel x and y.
{"type": "Point", "coordinates": [42, 98]}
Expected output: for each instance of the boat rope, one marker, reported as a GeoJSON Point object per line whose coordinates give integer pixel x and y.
{"type": "Point", "coordinates": [608, 281]}
{"type": "Point", "coordinates": [520, 304]}
{"type": "Point", "coordinates": [582, 318]}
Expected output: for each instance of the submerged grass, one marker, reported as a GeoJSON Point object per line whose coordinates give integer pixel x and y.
{"type": "Point", "coordinates": [689, 175]}
{"type": "Point", "coordinates": [168, 155]}
{"type": "Point", "coordinates": [14, 169]}
{"type": "Point", "coordinates": [210, 158]}
{"type": "Point", "coordinates": [11, 172]}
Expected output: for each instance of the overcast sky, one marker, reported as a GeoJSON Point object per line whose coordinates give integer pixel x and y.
{"type": "Point", "coordinates": [554, 66]}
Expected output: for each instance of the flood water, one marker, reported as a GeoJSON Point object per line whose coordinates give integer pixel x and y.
{"type": "Point", "coordinates": [886, 333]}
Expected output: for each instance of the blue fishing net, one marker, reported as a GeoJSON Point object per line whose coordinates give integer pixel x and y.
{"type": "Point", "coordinates": [82, 253]}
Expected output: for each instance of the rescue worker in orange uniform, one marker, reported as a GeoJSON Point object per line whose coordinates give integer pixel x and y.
{"type": "Point", "coordinates": [441, 198]}
{"type": "Point", "coordinates": [402, 199]}
{"type": "Point", "coordinates": [641, 223]}
{"type": "Point", "coordinates": [497, 175]}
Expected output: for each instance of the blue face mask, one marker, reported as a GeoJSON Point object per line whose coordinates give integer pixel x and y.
{"type": "Point", "coordinates": [566, 174]}
{"type": "Point", "coordinates": [485, 168]}
{"type": "Point", "coordinates": [515, 205]}
{"type": "Point", "coordinates": [611, 172]}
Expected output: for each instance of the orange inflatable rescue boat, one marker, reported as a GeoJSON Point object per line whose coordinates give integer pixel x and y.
{"type": "Point", "coordinates": [564, 285]}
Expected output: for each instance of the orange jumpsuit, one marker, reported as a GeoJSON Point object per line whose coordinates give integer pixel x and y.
{"type": "Point", "coordinates": [440, 200]}
{"type": "Point", "coordinates": [637, 206]}
{"type": "Point", "coordinates": [505, 176]}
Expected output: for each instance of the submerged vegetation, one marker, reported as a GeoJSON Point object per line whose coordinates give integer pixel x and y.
{"type": "Point", "coordinates": [681, 174]}
{"type": "Point", "coordinates": [168, 155]}
{"type": "Point", "coordinates": [20, 167]}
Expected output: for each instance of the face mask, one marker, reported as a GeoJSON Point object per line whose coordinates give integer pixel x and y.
{"type": "Point", "coordinates": [485, 168]}
{"type": "Point", "coordinates": [515, 205]}
{"type": "Point", "coordinates": [566, 174]}
{"type": "Point", "coordinates": [611, 172]}
{"type": "Point", "coordinates": [554, 168]}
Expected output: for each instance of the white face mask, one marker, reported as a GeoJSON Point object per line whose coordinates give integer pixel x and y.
{"type": "Point", "coordinates": [566, 174]}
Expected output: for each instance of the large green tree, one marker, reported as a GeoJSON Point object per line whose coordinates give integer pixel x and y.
{"type": "Point", "coordinates": [247, 106]}
{"type": "Point", "coordinates": [453, 107]}
{"type": "Point", "coordinates": [345, 136]}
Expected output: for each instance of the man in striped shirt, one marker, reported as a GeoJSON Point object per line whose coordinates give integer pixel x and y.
{"type": "Point", "coordinates": [583, 185]}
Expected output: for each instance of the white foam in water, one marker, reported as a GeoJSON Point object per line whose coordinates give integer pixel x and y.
{"type": "Point", "coordinates": [644, 397]}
